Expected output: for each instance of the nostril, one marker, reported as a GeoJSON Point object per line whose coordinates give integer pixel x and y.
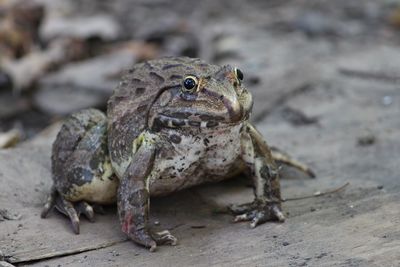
{"type": "Point", "coordinates": [221, 97]}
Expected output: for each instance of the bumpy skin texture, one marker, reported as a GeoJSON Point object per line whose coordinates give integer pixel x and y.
{"type": "Point", "coordinates": [162, 137]}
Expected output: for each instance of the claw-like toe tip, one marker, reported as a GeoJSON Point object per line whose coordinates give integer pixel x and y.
{"type": "Point", "coordinates": [75, 227]}
{"type": "Point", "coordinates": [44, 213]}
{"type": "Point", "coordinates": [174, 241]}
{"type": "Point", "coordinates": [311, 173]}
{"type": "Point", "coordinates": [153, 247]}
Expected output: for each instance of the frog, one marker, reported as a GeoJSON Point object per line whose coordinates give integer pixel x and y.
{"type": "Point", "coordinates": [171, 124]}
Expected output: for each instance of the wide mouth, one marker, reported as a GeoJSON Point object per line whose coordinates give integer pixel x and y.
{"type": "Point", "coordinates": [168, 121]}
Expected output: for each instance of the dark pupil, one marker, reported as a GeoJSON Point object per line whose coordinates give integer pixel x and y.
{"type": "Point", "coordinates": [189, 83]}
{"type": "Point", "coordinates": [239, 74]}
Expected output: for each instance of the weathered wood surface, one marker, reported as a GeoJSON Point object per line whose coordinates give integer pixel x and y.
{"type": "Point", "coordinates": [358, 226]}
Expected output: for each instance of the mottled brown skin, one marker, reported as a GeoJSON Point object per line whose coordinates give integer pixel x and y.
{"type": "Point", "coordinates": [162, 137]}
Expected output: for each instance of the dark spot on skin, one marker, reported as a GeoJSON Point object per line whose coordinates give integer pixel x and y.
{"type": "Point", "coordinates": [175, 77]}
{"type": "Point", "coordinates": [140, 90]}
{"type": "Point", "coordinates": [142, 108]}
{"type": "Point", "coordinates": [206, 141]}
{"type": "Point", "coordinates": [175, 139]}
{"type": "Point", "coordinates": [197, 152]}
{"type": "Point", "coordinates": [136, 80]}
{"type": "Point", "coordinates": [169, 66]}
{"type": "Point", "coordinates": [181, 115]}
{"type": "Point", "coordinates": [194, 123]}
{"type": "Point", "coordinates": [231, 140]}
{"type": "Point", "coordinates": [181, 169]}
{"type": "Point", "coordinates": [205, 117]}
{"type": "Point", "coordinates": [81, 176]}
{"type": "Point", "coordinates": [169, 87]}
{"type": "Point", "coordinates": [130, 71]}
{"type": "Point", "coordinates": [267, 173]}
{"type": "Point", "coordinates": [157, 125]}
{"type": "Point", "coordinates": [177, 123]}
{"type": "Point", "coordinates": [211, 124]}
{"type": "Point", "coordinates": [147, 65]}
{"type": "Point", "coordinates": [158, 78]}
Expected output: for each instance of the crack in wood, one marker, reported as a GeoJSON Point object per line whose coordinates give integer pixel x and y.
{"type": "Point", "coordinates": [62, 253]}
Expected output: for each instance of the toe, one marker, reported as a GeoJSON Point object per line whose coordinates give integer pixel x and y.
{"type": "Point", "coordinates": [165, 237]}
{"type": "Point", "coordinates": [153, 246]}
{"type": "Point", "coordinates": [87, 210]}
{"type": "Point", "coordinates": [241, 218]}
{"type": "Point", "coordinates": [51, 200]}
{"type": "Point", "coordinates": [277, 212]}
{"type": "Point", "coordinates": [242, 208]}
{"type": "Point", "coordinates": [70, 211]}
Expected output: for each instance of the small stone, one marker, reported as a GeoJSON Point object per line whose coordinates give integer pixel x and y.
{"type": "Point", "coordinates": [380, 187]}
{"type": "Point", "coordinates": [387, 100]}
{"type": "Point", "coordinates": [285, 244]}
{"type": "Point", "coordinates": [322, 255]}
{"type": "Point", "coordinates": [366, 140]}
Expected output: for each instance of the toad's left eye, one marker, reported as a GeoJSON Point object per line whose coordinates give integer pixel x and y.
{"type": "Point", "coordinates": [239, 74]}
{"type": "Point", "coordinates": [190, 84]}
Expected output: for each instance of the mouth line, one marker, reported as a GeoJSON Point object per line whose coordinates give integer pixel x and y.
{"type": "Point", "coordinates": [165, 121]}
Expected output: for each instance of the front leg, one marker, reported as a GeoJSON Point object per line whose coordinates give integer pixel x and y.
{"type": "Point", "coordinates": [134, 199]}
{"type": "Point", "coordinates": [262, 168]}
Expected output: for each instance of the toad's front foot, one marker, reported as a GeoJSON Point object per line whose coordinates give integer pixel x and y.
{"type": "Point", "coordinates": [152, 239]}
{"type": "Point", "coordinates": [257, 213]}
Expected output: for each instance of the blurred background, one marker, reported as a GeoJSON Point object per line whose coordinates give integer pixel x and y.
{"type": "Point", "coordinates": [59, 56]}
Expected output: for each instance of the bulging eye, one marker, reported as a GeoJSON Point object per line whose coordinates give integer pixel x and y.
{"type": "Point", "coordinates": [190, 84]}
{"type": "Point", "coordinates": [239, 74]}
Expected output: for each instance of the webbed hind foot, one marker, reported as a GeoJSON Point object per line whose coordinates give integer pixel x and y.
{"type": "Point", "coordinates": [72, 210]}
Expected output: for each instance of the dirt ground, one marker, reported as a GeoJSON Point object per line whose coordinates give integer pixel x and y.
{"type": "Point", "coordinates": [325, 78]}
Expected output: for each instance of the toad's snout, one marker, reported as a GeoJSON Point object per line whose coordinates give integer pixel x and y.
{"type": "Point", "coordinates": [238, 106]}
{"type": "Point", "coordinates": [234, 108]}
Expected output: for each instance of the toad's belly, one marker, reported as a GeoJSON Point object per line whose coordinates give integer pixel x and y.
{"type": "Point", "coordinates": [196, 160]}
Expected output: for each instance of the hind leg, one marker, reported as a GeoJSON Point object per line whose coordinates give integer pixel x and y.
{"type": "Point", "coordinates": [81, 168]}
{"type": "Point", "coordinates": [282, 157]}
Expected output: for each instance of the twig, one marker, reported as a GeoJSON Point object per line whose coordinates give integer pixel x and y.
{"type": "Point", "coordinates": [362, 74]}
{"type": "Point", "coordinates": [318, 194]}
